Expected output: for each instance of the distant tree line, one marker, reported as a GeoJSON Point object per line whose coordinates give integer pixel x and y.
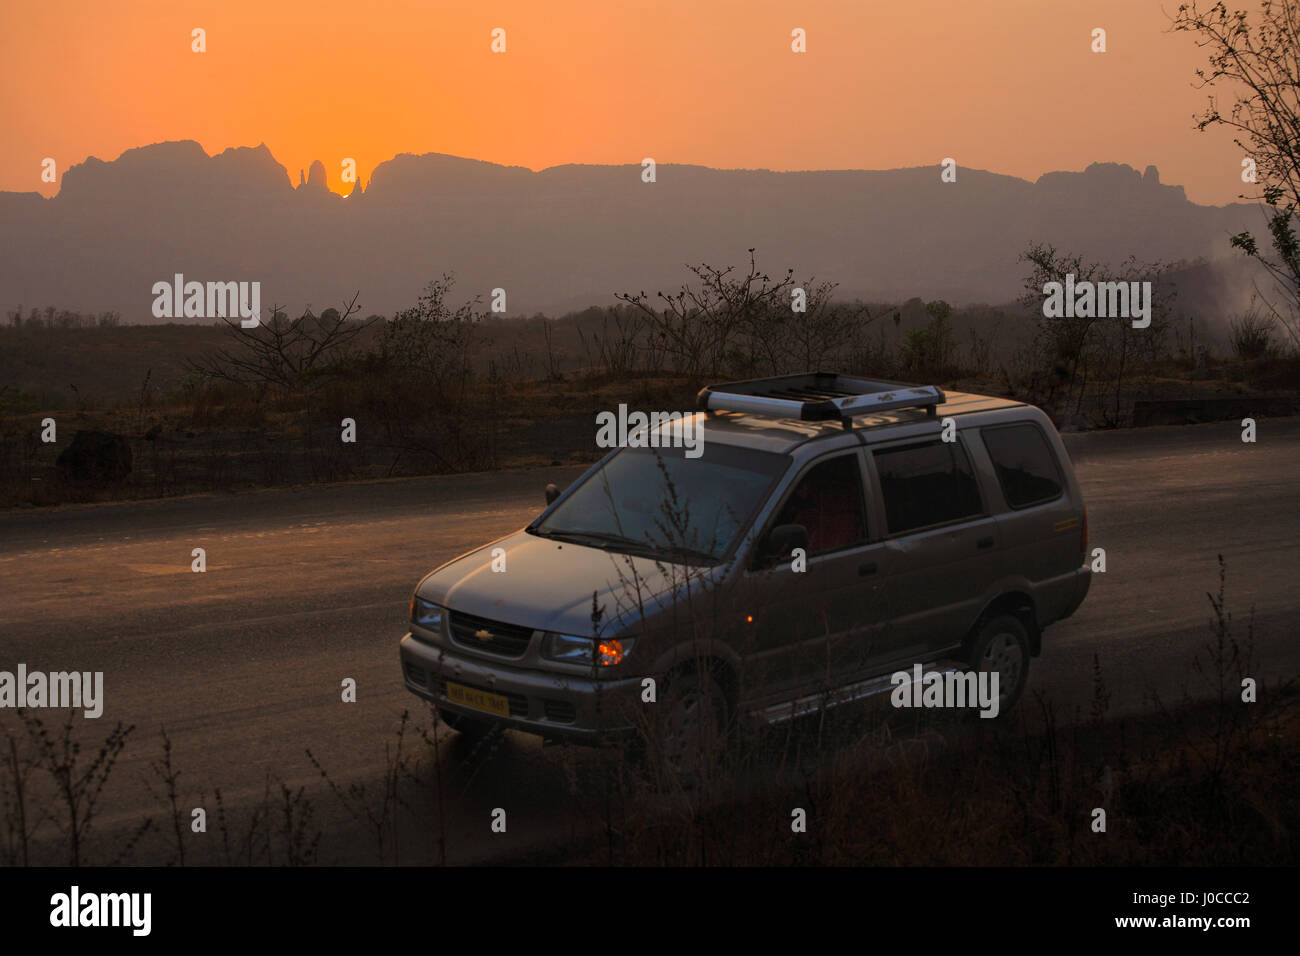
{"type": "Point", "coordinates": [52, 318]}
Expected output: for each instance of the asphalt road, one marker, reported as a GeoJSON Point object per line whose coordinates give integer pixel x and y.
{"type": "Point", "coordinates": [306, 587]}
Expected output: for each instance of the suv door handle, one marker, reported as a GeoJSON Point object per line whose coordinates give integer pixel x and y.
{"type": "Point", "coordinates": [868, 567]}
{"type": "Point", "coordinates": [983, 543]}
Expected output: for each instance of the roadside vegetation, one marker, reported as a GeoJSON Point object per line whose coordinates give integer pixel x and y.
{"type": "Point", "coordinates": [445, 386]}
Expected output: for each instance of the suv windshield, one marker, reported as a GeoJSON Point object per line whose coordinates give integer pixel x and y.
{"type": "Point", "coordinates": [658, 501]}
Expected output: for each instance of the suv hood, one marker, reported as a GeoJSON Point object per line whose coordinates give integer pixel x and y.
{"type": "Point", "coordinates": [548, 584]}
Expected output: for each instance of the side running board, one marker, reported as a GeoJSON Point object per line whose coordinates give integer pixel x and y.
{"type": "Point", "coordinates": [861, 690]}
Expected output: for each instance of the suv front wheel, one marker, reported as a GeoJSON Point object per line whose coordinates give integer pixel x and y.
{"type": "Point", "coordinates": [690, 733]}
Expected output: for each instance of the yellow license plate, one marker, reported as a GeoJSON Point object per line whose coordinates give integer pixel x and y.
{"type": "Point", "coordinates": [478, 699]}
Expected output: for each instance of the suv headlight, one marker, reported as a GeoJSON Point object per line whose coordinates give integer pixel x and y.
{"type": "Point", "coordinates": [579, 650]}
{"type": "Point", "coordinates": [427, 614]}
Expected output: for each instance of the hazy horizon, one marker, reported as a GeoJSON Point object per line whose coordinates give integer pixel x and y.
{"type": "Point", "coordinates": [571, 236]}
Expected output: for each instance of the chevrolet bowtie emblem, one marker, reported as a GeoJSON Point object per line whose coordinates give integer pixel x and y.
{"type": "Point", "coordinates": [483, 635]}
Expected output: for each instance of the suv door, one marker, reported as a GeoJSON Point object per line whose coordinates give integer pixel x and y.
{"type": "Point", "coordinates": [821, 620]}
{"type": "Point", "coordinates": [940, 538]}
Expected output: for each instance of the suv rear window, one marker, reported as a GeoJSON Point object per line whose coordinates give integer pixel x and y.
{"type": "Point", "coordinates": [1026, 467]}
{"type": "Point", "coordinates": [926, 484]}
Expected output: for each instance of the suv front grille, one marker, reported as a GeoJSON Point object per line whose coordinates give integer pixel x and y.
{"type": "Point", "coordinates": [506, 640]}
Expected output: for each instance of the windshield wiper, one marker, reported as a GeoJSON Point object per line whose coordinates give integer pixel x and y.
{"type": "Point", "coordinates": [608, 541]}
{"type": "Point", "coordinates": [705, 556]}
{"type": "Point", "coordinates": [596, 538]}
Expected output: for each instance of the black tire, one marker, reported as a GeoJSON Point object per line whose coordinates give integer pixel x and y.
{"type": "Point", "coordinates": [470, 728]}
{"type": "Point", "coordinates": [1002, 645]}
{"type": "Point", "coordinates": [691, 726]}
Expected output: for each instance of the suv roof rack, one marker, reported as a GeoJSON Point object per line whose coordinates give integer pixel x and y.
{"type": "Point", "coordinates": [818, 397]}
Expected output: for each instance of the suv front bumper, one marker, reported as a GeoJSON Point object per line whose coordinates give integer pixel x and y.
{"type": "Point", "coordinates": [552, 705]}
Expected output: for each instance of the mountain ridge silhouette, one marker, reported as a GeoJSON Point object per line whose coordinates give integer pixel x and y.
{"type": "Point", "coordinates": [568, 236]}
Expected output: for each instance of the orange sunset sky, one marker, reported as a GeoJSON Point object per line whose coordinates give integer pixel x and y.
{"type": "Point", "coordinates": [1005, 85]}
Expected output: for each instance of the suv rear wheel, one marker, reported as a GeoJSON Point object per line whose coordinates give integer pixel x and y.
{"type": "Point", "coordinates": [1002, 646]}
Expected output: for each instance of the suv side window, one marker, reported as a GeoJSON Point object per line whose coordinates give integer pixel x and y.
{"type": "Point", "coordinates": [926, 483]}
{"type": "Point", "coordinates": [1027, 469]}
{"type": "Point", "coordinates": [828, 501]}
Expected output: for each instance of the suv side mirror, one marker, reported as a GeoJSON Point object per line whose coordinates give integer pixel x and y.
{"type": "Point", "coordinates": [552, 492]}
{"type": "Point", "coordinates": [783, 539]}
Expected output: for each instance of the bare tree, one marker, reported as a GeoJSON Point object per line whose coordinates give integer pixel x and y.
{"type": "Point", "coordinates": [697, 326]}
{"type": "Point", "coordinates": [283, 352]}
{"type": "Point", "coordinates": [1062, 343]}
{"type": "Point", "coordinates": [433, 340]}
{"type": "Point", "coordinates": [744, 321]}
{"type": "Point", "coordinates": [1258, 57]}
{"type": "Point", "coordinates": [1069, 352]}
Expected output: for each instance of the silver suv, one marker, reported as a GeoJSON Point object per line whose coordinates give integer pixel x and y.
{"type": "Point", "coordinates": [833, 534]}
